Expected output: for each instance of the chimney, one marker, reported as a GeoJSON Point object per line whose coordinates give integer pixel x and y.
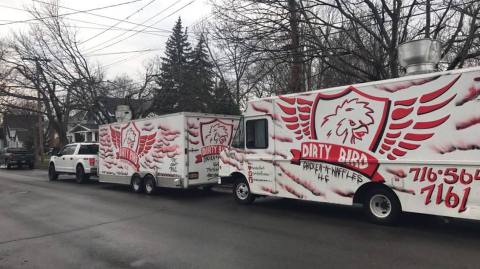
{"type": "Point", "coordinates": [419, 56]}
{"type": "Point", "coordinates": [123, 113]}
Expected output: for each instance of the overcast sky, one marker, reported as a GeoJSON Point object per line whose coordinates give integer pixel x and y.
{"type": "Point", "coordinates": [89, 26]}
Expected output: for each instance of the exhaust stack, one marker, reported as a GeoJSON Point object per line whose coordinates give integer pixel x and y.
{"type": "Point", "coordinates": [123, 113]}
{"type": "Point", "coordinates": [419, 56]}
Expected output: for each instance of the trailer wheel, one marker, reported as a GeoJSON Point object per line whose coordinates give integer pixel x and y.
{"type": "Point", "coordinates": [382, 206]}
{"type": "Point", "coordinates": [242, 193]}
{"type": "Point", "coordinates": [137, 184]}
{"type": "Point", "coordinates": [150, 184]}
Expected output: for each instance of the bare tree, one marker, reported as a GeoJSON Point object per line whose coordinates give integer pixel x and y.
{"type": "Point", "coordinates": [321, 43]}
{"type": "Point", "coordinates": [361, 38]}
{"type": "Point", "coordinates": [46, 65]}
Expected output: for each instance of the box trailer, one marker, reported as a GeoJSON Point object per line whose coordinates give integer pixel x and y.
{"type": "Point", "coordinates": [408, 144]}
{"type": "Point", "coordinates": [177, 150]}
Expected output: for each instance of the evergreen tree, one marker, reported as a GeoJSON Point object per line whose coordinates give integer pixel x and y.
{"type": "Point", "coordinates": [201, 83]}
{"type": "Point", "coordinates": [171, 95]}
{"type": "Point", "coordinates": [223, 101]}
{"type": "Point", "coordinates": [186, 79]}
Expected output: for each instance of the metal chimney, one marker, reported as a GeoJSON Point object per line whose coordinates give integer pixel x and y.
{"type": "Point", "coordinates": [419, 56]}
{"type": "Point", "coordinates": [123, 113]}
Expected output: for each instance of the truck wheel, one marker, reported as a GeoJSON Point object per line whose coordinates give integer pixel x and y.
{"type": "Point", "coordinates": [382, 206]}
{"type": "Point", "coordinates": [137, 184]}
{"type": "Point", "coordinates": [242, 193]}
{"type": "Point", "coordinates": [31, 166]}
{"type": "Point", "coordinates": [7, 165]}
{"type": "Point", "coordinates": [81, 177]}
{"type": "Point", "coordinates": [150, 184]}
{"type": "Point", "coordinates": [52, 173]}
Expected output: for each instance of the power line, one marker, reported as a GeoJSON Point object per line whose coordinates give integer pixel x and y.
{"type": "Point", "coordinates": [71, 13]}
{"type": "Point", "coordinates": [103, 16]}
{"type": "Point", "coordinates": [117, 23]}
{"type": "Point", "coordinates": [155, 33]}
{"type": "Point", "coordinates": [107, 66]}
{"type": "Point", "coordinates": [123, 52]}
{"type": "Point", "coordinates": [145, 27]}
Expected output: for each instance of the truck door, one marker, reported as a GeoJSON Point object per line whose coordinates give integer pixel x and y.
{"type": "Point", "coordinates": [63, 162]}
{"type": "Point", "coordinates": [259, 149]}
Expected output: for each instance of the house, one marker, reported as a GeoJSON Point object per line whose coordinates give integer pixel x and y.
{"type": "Point", "coordinates": [83, 125]}
{"type": "Point", "coordinates": [17, 130]}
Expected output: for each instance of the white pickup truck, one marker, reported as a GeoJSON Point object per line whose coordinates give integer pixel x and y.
{"type": "Point", "coordinates": [79, 159]}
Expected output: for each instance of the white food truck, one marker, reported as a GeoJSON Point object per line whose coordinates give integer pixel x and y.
{"type": "Point", "coordinates": [177, 150]}
{"type": "Point", "coordinates": [409, 144]}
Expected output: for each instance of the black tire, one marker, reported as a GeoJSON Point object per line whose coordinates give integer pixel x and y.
{"type": "Point", "coordinates": [7, 165]}
{"type": "Point", "coordinates": [242, 193]}
{"type": "Point", "coordinates": [52, 173]}
{"type": "Point", "coordinates": [149, 184]}
{"type": "Point", "coordinates": [137, 184]}
{"type": "Point", "coordinates": [207, 188]}
{"type": "Point", "coordinates": [382, 206]}
{"type": "Point", "coordinates": [31, 166]}
{"type": "Point", "coordinates": [80, 175]}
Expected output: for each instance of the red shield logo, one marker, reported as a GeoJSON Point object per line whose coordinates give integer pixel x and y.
{"type": "Point", "coordinates": [215, 135]}
{"type": "Point", "coordinates": [130, 144]}
{"type": "Point", "coordinates": [350, 118]}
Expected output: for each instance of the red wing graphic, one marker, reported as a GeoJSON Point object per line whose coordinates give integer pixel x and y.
{"type": "Point", "coordinates": [145, 144]}
{"type": "Point", "coordinates": [410, 123]}
{"type": "Point", "coordinates": [297, 119]}
{"type": "Point", "coordinates": [116, 137]}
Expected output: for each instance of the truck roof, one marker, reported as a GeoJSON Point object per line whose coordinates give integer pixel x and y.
{"type": "Point", "coordinates": [186, 114]}
{"type": "Point", "coordinates": [83, 143]}
{"type": "Point", "coordinates": [385, 81]}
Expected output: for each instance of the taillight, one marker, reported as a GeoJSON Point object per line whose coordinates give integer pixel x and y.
{"type": "Point", "coordinates": [91, 161]}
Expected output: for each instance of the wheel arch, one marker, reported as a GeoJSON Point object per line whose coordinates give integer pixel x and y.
{"type": "Point", "coordinates": [238, 176]}
{"type": "Point", "coordinates": [362, 192]}
{"type": "Point", "coordinates": [79, 163]}
{"type": "Point", "coordinates": [150, 175]}
{"type": "Point", "coordinates": [135, 175]}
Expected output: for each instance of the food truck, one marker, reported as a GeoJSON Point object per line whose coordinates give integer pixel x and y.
{"type": "Point", "coordinates": [177, 150]}
{"type": "Point", "coordinates": [410, 144]}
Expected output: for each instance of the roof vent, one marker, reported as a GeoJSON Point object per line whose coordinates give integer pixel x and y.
{"type": "Point", "coordinates": [123, 113]}
{"type": "Point", "coordinates": [419, 56]}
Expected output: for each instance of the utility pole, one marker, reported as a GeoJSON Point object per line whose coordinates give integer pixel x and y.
{"type": "Point", "coordinates": [38, 141]}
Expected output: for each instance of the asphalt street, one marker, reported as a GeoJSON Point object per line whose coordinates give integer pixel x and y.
{"type": "Point", "coordinates": [65, 225]}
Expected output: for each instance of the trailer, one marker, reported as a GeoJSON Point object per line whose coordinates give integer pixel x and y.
{"type": "Point", "coordinates": [178, 150]}
{"type": "Point", "coordinates": [410, 144]}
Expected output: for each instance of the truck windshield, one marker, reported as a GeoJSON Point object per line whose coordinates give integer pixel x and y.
{"type": "Point", "coordinates": [88, 150]}
{"type": "Point", "coordinates": [239, 138]}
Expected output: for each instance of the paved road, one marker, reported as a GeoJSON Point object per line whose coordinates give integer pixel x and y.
{"type": "Point", "coordinates": [64, 225]}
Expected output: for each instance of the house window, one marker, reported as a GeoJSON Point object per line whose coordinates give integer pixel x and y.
{"type": "Point", "coordinates": [257, 134]}
{"type": "Point", "coordinates": [79, 137]}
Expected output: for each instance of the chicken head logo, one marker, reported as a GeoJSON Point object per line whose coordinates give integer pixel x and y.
{"type": "Point", "coordinates": [351, 128]}
{"type": "Point", "coordinates": [218, 134]}
{"type": "Point", "coordinates": [350, 121]}
{"type": "Point", "coordinates": [130, 138]}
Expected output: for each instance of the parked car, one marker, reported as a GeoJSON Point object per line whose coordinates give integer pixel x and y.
{"type": "Point", "coordinates": [79, 159]}
{"type": "Point", "coordinates": [17, 157]}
